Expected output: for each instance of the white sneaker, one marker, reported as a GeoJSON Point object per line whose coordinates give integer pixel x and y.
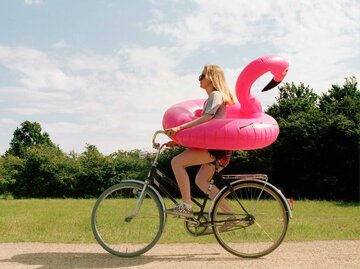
{"type": "Point", "coordinates": [181, 210]}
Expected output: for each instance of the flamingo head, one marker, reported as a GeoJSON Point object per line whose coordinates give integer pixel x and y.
{"type": "Point", "coordinates": [279, 73]}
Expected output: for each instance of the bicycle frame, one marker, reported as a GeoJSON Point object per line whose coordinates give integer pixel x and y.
{"type": "Point", "coordinates": [153, 183]}
{"type": "Point", "coordinates": [153, 180]}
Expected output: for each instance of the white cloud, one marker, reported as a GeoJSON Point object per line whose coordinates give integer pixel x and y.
{"type": "Point", "coordinates": [62, 44]}
{"type": "Point", "coordinates": [151, 59]}
{"type": "Point", "coordinates": [37, 70]}
{"type": "Point", "coordinates": [225, 22]}
{"type": "Point", "coordinates": [319, 39]}
{"type": "Point", "coordinates": [34, 2]}
{"type": "Point", "coordinates": [91, 61]}
{"type": "Point", "coordinates": [103, 97]}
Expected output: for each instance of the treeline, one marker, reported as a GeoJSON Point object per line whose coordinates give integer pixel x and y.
{"type": "Point", "coordinates": [46, 171]}
{"type": "Point", "coordinates": [316, 155]}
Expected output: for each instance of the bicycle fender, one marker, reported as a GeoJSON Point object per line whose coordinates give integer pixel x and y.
{"type": "Point", "coordinates": [151, 188]}
{"type": "Point", "coordinates": [262, 182]}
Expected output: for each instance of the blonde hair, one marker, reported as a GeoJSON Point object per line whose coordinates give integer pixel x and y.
{"type": "Point", "coordinates": [217, 77]}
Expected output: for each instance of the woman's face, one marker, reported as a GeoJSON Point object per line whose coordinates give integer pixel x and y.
{"type": "Point", "coordinates": [205, 82]}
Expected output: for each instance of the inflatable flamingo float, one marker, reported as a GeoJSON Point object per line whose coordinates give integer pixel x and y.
{"type": "Point", "coordinates": [245, 127]}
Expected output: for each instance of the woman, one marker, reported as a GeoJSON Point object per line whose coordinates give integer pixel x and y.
{"type": "Point", "coordinates": [213, 81]}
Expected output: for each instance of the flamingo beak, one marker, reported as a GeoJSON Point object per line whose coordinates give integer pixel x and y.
{"type": "Point", "coordinates": [273, 83]}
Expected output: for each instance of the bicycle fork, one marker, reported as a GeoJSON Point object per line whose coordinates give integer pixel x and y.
{"type": "Point", "coordinates": [138, 204]}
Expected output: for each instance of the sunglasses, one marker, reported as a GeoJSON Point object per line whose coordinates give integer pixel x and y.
{"type": "Point", "coordinates": [202, 76]}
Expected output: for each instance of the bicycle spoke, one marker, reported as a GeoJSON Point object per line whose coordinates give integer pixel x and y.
{"type": "Point", "coordinates": [263, 230]}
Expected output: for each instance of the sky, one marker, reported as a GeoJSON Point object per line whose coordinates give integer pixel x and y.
{"type": "Point", "coordinates": [104, 72]}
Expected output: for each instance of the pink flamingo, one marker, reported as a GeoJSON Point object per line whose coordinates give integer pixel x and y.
{"type": "Point", "coordinates": [245, 127]}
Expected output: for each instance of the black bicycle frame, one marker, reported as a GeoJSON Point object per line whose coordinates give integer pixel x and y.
{"type": "Point", "coordinates": [155, 173]}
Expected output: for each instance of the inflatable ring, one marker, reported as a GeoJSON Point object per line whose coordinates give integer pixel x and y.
{"type": "Point", "coordinates": [245, 127]}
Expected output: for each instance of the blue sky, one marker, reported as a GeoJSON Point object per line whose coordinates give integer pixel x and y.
{"type": "Point", "coordinates": [104, 72]}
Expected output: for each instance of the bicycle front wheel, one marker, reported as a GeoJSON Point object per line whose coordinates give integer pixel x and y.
{"type": "Point", "coordinates": [117, 226]}
{"type": "Point", "coordinates": [255, 223]}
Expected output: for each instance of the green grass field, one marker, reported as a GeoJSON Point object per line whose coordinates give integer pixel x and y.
{"type": "Point", "coordinates": [68, 221]}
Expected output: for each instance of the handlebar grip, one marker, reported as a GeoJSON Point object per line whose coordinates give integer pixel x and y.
{"type": "Point", "coordinates": [157, 145]}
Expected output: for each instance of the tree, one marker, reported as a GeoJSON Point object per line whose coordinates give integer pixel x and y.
{"type": "Point", "coordinates": [128, 165]}
{"type": "Point", "coordinates": [96, 170]}
{"type": "Point", "coordinates": [11, 168]}
{"type": "Point", "coordinates": [344, 100]}
{"type": "Point", "coordinates": [316, 154]}
{"type": "Point", "coordinates": [28, 135]}
{"type": "Point", "coordinates": [339, 144]}
{"type": "Point", "coordinates": [292, 100]}
{"type": "Point", "coordinates": [45, 172]}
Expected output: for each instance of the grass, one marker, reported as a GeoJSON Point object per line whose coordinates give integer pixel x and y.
{"type": "Point", "coordinates": [68, 221]}
{"type": "Point", "coordinates": [324, 220]}
{"type": "Point", "coordinates": [45, 220]}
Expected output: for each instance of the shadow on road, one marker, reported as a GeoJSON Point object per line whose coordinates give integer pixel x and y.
{"type": "Point", "coordinates": [100, 260]}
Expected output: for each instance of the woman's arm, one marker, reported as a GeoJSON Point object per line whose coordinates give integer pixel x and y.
{"type": "Point", "coordinates": [202, 119]}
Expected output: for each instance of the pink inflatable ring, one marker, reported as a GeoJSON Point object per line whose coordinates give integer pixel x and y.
{"type": "Point", "coordinates": [245, 127]}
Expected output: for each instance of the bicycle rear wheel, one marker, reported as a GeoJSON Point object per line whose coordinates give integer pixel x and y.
{"type": "Point", "coordinates": [253, 233]}
{"type": "Point", "coordinates": [114, 227]}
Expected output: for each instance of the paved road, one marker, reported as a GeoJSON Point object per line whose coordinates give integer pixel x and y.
{"type": "Point", "coordinates": [314, 254]}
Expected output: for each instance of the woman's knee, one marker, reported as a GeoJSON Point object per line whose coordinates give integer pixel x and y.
{"type": "Point", "coordinates": [203, 178]}
{"type": "Point", "coordinates": [176, 162]}
{"type": "Point", "coordinates": [198, 181]}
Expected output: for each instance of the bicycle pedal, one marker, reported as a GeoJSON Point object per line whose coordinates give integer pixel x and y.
{"type": "Point", "coordinates": [180, 217]}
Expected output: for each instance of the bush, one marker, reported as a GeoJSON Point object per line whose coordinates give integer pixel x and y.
{"type": "Point", "coordinates": [45, 172]}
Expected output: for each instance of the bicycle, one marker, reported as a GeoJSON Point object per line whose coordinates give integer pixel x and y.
{"type": "Point", "coordinates": [128, 218]}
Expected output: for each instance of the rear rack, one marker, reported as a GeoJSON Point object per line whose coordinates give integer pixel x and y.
{"type": "Point", "coordinates": [246, 177]}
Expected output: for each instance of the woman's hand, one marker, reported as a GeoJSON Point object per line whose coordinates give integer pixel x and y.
{"type": "Point", "coordinates": [172, 131]}
{"type": "Point", "coordinates": [172, 144]}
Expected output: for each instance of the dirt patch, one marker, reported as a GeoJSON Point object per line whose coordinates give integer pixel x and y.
{"type": "Point", "coordinates": [313, 254]}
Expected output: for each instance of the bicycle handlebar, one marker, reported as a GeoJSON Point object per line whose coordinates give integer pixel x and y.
{"type": "Point", "coordinates": [157, 145]}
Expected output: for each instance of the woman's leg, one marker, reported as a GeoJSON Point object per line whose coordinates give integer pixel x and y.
{"type": "Point", "coordinates": [202, 180]}
{"type": "Point", "coordinates": [185, 159]}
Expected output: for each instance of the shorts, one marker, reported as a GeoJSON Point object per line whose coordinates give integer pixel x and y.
{"type": "Point", "coordinates": [222, 157]}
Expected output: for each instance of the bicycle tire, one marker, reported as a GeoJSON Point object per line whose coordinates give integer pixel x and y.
{"type": "Point", "coordinates": [254, 234]}
{"type": "Point", "coordinates": [111, 225]}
